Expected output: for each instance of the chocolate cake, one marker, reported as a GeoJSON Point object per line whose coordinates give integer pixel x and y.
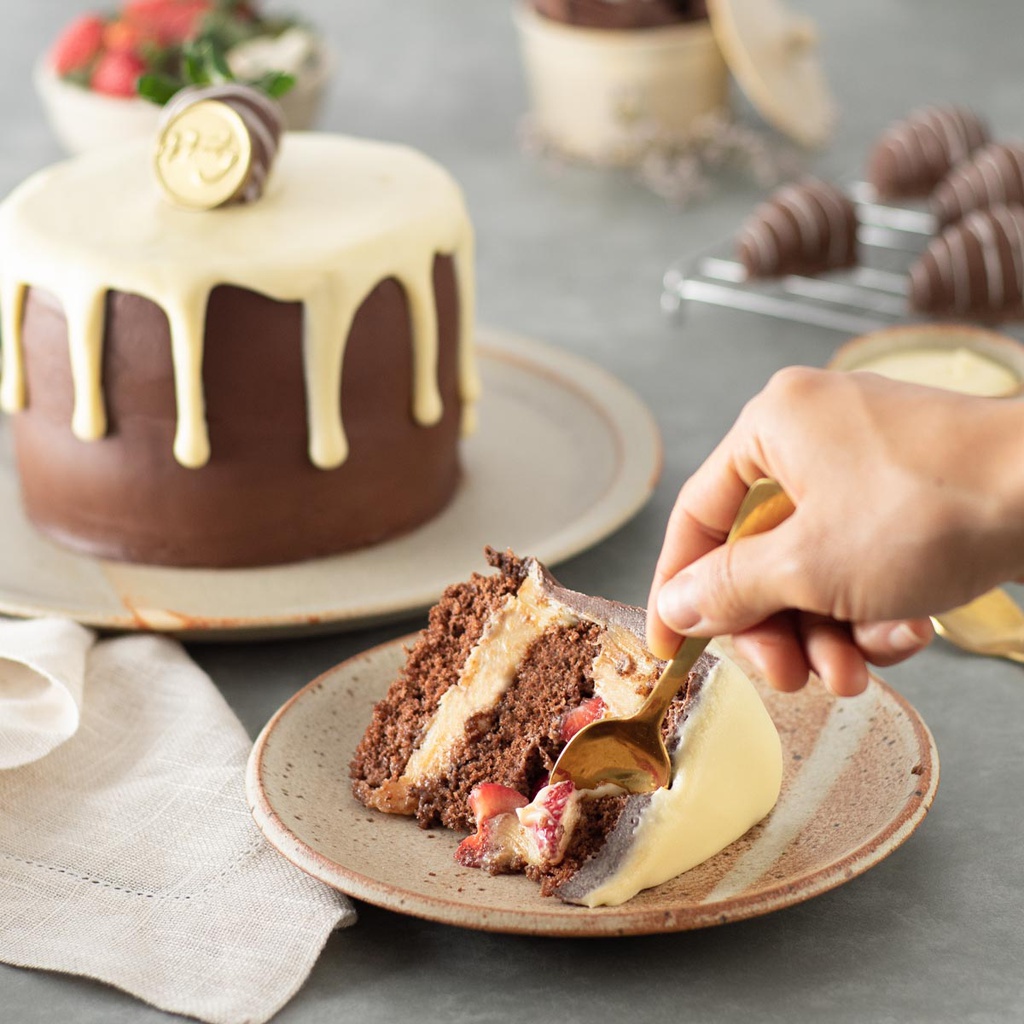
{"type": "Point", "coordinates": [912, 156]}
{"type": "Point", "coordinates": [994, 174]}
{"type": "Point", "coordinates": [264, 382]}
{"type": "Point", "coordinates": [974, 268]}
{"type": "Point", "coordinates": [805, 228]}
{"type": "Point", "coordinates": [509, 668]}
{"type": "Point", "coordinates": [621, 14]}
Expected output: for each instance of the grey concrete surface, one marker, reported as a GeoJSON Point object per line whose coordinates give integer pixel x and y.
{"type": "Point", "coordinates": [574, 256]}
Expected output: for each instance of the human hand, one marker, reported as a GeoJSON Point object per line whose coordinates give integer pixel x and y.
{"type": "Point", "coordinates": [909, 501]}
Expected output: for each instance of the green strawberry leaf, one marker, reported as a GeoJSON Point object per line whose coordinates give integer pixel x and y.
{"type": "Point", "coordinates": [158, 88]}
{"type": "Point", "coordinates": [274, 83]}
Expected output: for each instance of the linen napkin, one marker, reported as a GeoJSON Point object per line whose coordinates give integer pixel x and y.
{"type": "Point", "coordinates": [127, 851]}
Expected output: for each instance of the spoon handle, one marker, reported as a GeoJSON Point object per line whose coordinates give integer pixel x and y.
{"type": "Point", "coordinates": [765, 507]}
{"type": "Point", "coordinates": [671, 679]}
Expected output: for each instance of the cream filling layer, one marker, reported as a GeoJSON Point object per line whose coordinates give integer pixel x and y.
{"type": "Point", "coordinates": [959, 369]}
{"type": "Point", "coordinates": [726, 776]}
{"type": "Point", "coordinates": [339, 216]}
{"type": "Point", "coordinates": [623, 672]}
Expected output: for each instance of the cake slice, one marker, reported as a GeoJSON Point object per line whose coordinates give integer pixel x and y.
{"type": "Point", "coordinates": [509, 668]}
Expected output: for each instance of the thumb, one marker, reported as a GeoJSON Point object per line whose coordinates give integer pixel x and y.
{"type": "Point", "coordinates": [733, 587]}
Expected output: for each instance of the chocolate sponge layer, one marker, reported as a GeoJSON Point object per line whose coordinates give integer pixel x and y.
{"type": "Point", "coordinates": [434, 665]}
{"type": "Point", "coordinates": [516, 742]}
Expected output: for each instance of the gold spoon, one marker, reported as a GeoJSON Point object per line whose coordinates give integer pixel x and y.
{"type": "Point", "coordinates": [630, 751]}
{"type": "Point", "coordinates": [992, 624]}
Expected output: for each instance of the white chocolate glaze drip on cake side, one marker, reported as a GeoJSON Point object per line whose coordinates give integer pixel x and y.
{"type": "Point", "coordinates": [339, 216]}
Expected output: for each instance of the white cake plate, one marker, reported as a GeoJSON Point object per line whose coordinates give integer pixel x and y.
{"type": "Point", "coordinates": [564, 455]}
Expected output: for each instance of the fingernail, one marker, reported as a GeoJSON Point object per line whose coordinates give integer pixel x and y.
{"type": "Point", "coordinates": [677, 606]}
{"type": "Point", "coordinates": [905, 638]}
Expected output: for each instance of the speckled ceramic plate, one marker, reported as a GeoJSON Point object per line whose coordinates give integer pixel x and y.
{"type": "Point", "coordinates": [581, 445]}
{"type": "Point", "coordinates": [860, 775]}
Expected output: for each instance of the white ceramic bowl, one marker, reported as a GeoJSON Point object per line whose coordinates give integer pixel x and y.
{"type": "Point", "coordinates": [599, 94]}
{"type": "Point", "coordinates": [83, 120]}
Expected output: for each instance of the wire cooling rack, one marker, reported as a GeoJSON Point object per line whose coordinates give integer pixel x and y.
{"type": "Point", "coordinates": [856, 300]}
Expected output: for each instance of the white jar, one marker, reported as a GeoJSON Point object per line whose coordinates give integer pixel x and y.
{"type": "Point", "coordinates": [599, 94]}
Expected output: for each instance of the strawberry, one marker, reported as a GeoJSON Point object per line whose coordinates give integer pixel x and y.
{"type": "Point", "coordinates": [117, 73]}
{"type": "Point", "coordinates": [489, 799]}
{"type": "Point", "coordinates": [472, 851]}
{"type": "Point", "coordinates": [493, 845]}
{"type": "Point", "coordinates": [78, 44]}
{"type": "Point", "coordinates": [168, 21]}
{"type": "Point", "coordinates": [122, 36]}
{"type": "Point", "coordinates": [589, 711]}
{"type": "Point", "coordinates": [550, 818]}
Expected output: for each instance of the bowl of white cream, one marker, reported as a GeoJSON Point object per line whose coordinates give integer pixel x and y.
{"type": "Point", "coordinates": [954, 357]}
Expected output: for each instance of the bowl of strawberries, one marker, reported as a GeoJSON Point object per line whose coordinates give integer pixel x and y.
{"type": "Point", "coordinates": [107, 74]}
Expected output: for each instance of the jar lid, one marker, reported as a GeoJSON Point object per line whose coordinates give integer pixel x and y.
{"type": "Point", "coordinates": [773, 54]}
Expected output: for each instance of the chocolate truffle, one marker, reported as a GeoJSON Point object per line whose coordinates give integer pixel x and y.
{"type": "Point", "coordinates": [804, 228]}
{"type": "Point", "coordinates": [974, 268]}
{"type": "Point", "coordinates": [994, 174]}
{"type": "Point", "coordinates": [913, 155]}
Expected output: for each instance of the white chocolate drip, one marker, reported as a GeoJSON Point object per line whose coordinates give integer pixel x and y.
{"type": "Point", "coordinates": [340, 216]}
